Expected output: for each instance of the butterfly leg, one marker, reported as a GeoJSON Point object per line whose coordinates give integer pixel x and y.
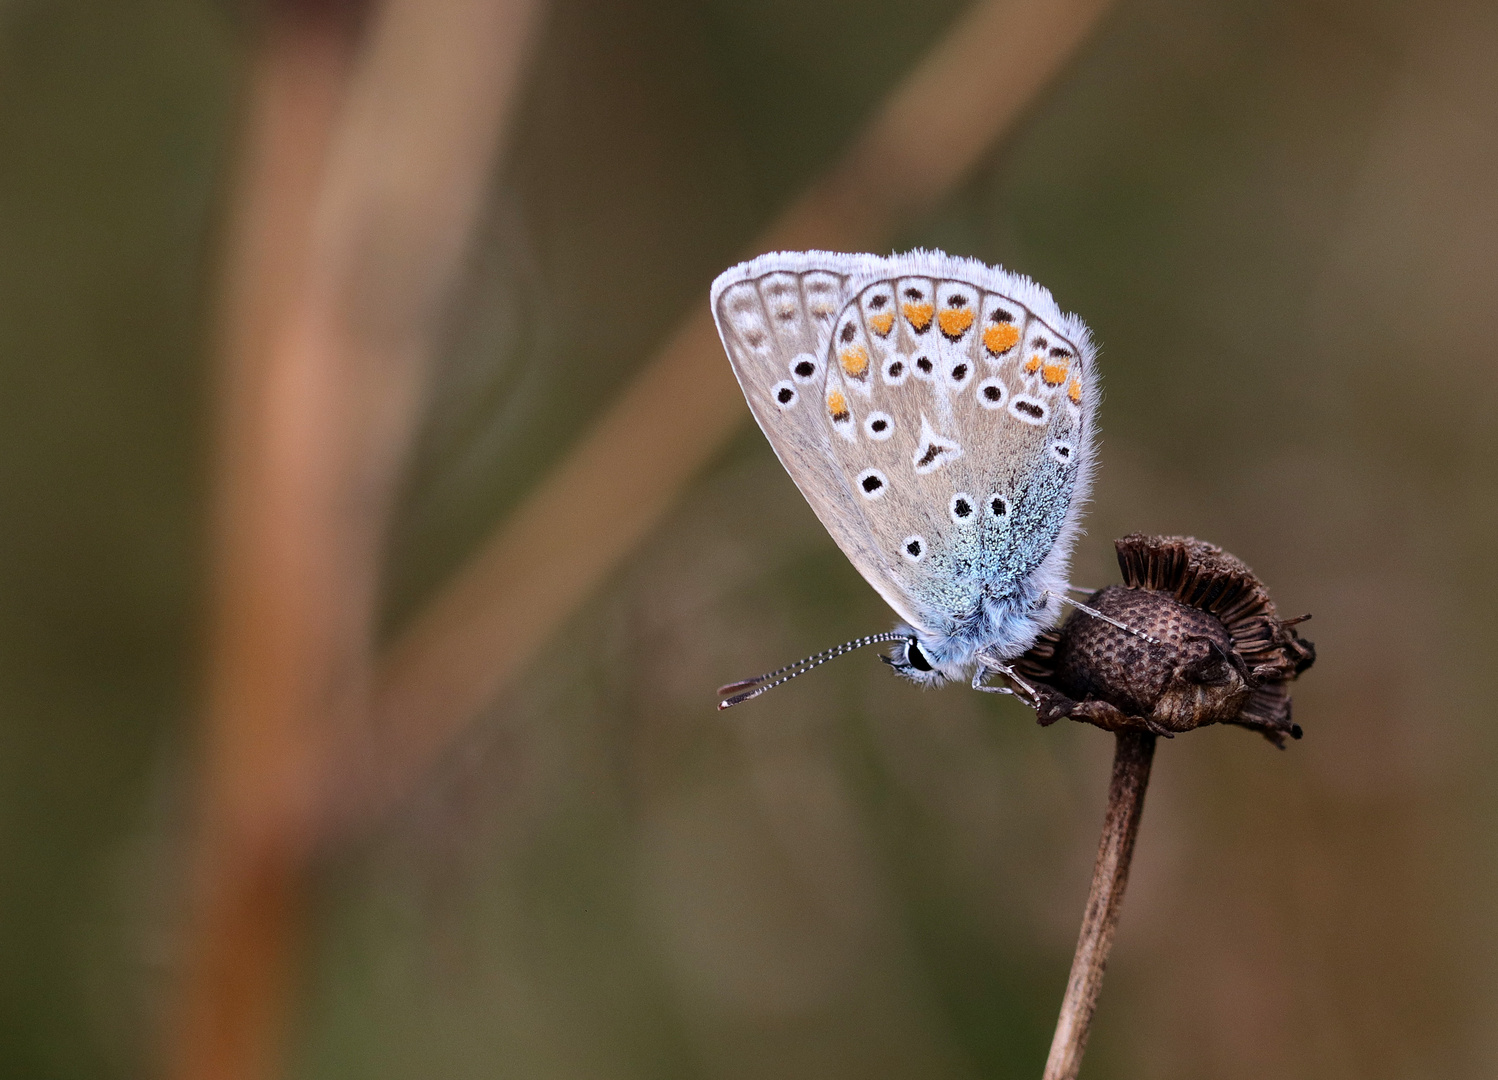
{"type": "Point", "coordinates": [1096, 614]}
{"type": "Point", "coordinates": [989, 667]}
{"type": "Point", "coordinates": [982, 672]}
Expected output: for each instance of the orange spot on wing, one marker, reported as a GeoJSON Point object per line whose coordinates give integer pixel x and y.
{"type": "Point", "coordinates": [1054, 373]}
{"type": "Point", "coordinates": [919, 315]}
{"type": "Point", "coordinates": [882, 323]}
{"type": "Point", "coordinates": [1032, 365]}
{"type": "Point", "coordinates": [1000, 338]}
{"type": "Point", "coordinates": [1074, 391]}
{"type": "Point", "coordinates": [837, 406]}
{"type": "Point", "coordinates": [855, 361]}
{"type": "Point", "coordinates": [955, 321]}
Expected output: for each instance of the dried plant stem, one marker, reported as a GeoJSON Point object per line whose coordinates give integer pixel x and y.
{"type": "Point", "coordinates": [1131, 774]}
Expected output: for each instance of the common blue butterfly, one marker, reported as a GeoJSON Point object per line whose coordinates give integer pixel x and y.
{"type": "Point", "coordinates": [937, 413]}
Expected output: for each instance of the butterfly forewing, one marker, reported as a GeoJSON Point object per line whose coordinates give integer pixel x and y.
{"type": "Point", "coordinates": [776, 316]}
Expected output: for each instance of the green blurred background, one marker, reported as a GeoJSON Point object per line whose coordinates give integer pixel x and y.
{"type": "Point", "coordinates": [1281, 221]}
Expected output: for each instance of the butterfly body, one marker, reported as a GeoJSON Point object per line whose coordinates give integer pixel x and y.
{"type": "Point", "coordinates": [937, 413]}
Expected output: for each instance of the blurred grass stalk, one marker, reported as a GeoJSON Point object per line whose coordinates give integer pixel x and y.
{"type": "Point", "coordinates": [367, 144]}
{"type": "Point", "coordinates": [366, 149]}
{"type": "Point", "coordinates": [536, 569]}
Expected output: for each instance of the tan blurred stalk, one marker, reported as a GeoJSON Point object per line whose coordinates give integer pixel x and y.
{"type": "Point", "coordinates": [364, 157]}
{"type": "Point", "coordinates": [536, 570]}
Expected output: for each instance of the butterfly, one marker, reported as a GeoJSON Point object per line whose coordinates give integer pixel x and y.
{"type": "Point", "coordinates": [937, 413]}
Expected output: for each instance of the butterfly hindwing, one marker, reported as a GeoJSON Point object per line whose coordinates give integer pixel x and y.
{"type": "Point", "coordinates": [965, 462]}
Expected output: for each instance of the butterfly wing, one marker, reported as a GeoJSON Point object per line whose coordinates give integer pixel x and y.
{"type": "Point", "coordinates": [944, 433]}
{"type": "Point", "coordinates": [969, 443]}
{"type": "Point", "coordinates": [775, 315]}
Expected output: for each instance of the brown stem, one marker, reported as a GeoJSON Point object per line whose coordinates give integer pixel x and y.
{"type": "Point", "coordinates": [1131, 775]}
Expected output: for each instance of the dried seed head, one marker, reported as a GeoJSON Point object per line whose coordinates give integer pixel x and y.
{"type": "Point", "coordinates": [1224, 656]}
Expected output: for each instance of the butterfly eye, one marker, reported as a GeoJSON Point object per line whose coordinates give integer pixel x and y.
{"type": "Point", "coordinates": [915, 658]}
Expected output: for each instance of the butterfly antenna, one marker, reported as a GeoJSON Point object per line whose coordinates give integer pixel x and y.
{"type": "Point", "coordinates": [745, 689]}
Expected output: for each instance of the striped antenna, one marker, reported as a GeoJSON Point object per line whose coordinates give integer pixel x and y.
{"type": "Point", "coordinates": [745, 689]}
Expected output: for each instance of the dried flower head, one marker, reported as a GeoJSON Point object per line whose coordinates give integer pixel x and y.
{"type": "Point", "coordinates": [1224, 655]}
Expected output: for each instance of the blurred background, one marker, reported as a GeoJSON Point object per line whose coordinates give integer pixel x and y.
{"type": "Point", "coordinates": [1280, 218]}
